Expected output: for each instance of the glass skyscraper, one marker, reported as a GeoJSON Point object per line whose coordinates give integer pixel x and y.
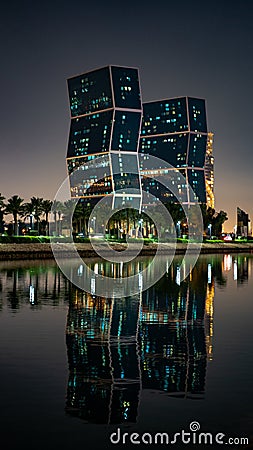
{"type": "Point", "coordinates": [175, 130]}
{"type": "Point", "coordinates": [110, 125]}
{"type": "Point", "coordinates": [106, 112]}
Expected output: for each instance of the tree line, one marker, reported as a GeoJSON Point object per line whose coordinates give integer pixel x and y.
{"type": "Point", "coordinates": [38, 210]}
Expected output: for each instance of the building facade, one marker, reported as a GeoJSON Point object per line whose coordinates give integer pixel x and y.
{"type": "Point", "coordinates": [175, 130]}
{"type": "Point", "coordinates": [106, 112]}
{"type": "Point", "coordinates": [209, 172]}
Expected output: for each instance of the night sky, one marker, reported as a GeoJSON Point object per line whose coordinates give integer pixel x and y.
{"type": "Point", "coordinates": [194, 48]}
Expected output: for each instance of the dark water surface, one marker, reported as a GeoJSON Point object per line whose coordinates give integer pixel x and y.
{"type": "Point", "coordinates": [75, 367]}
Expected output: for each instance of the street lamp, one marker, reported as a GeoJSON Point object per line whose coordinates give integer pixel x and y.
{"type": "Point", "coordinates": [140, 227]}
{"type": "Point", "coordinates": [31, 220]}
{"type": "Point", "coordinates": [210, 229]}
{"type": "Point", "coordinates": [178, 228]}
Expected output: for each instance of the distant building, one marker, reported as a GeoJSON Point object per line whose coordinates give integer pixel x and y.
{"type": "Point", "coordinates": [242, 223]}
{"type": "Point", "coordinates": [209, 172]}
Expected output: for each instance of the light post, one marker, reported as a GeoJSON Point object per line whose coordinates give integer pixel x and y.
{"type": "Point", "coordinates": [210, 229]}
{"type": "Point", "coordinates": [178, 228]}
{"type": "Point", "coordinates": [140, 227]}
{"type": "Point", "coordinates": [92, 228]}
{"type": "Point", "coordinates": [60, 226]}
{"type": "Point", "coordinates": [31, 220]}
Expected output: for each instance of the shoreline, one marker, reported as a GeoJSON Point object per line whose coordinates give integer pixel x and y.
{"type": "Point", "coordinates": [44, 251]}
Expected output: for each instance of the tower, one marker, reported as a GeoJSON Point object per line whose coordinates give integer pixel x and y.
{"type": "Point", "coordinates": [175, 130]}
{"type": "Point", "coordinates": [106, 112]}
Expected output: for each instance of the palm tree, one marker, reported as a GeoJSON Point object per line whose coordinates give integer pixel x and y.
{"type": "Point", "coordinates": [78, 218]}
{"type": "Point", "coordinates": [208, 215]}
{"type": "Point", "coordinates": [213, 219]}
{"type": "Point", "coordinates": [57, 208]}
{"type": "Point", "coordinates": [218, 221]}
{"type": "Point", "coordinates": [46, 209]}
{"type": "Point", "coordinates": [28, 213]}
{"type": "Point", "coordinates": [2, 206]}
{"type": "Point", "coordinates": [68, 211]}
{"type": "Point", "coordinates": [14, 207]}
{"type": "Point", "coordinates": [86, 216]}
{"type": "Point", "coordinates": [37, 202]}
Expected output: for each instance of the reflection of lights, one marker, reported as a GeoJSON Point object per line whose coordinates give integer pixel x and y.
{"type": "Point", "coordinates": [209, 273]}
{"type": "Point", "coordinates": [209, 309]}
{"type": "Point", "coordinates": [184, 269]}
{"type": "Point", "coordinates": [31, 295]}
{"type": "Point", "coordinates": [178, 276]}
{"type": "Point", "coordinates": [96, 268]}
{"type": "Point", "coordinates": [178, 228]}
{"type": "Point", "coordinates": [126, 409]}
{"type": "Point", "coordinates": [93, 286]}
{"type": "Point", "coordinates": [235, 270]}
{"type": "Point", "coordinates": [80, 270]}
{"type": "Point", "coordinates": [227, 262]}
{"type": "Point", "coordinates": [140, 280]}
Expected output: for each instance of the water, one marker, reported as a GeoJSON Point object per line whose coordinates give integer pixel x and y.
{"type": "Point", "coordinates": [76, 368]}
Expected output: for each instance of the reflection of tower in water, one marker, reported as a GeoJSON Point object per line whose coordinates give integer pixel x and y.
{"type": "Point", "coordinates": [176, 334]}
{"type": "Point", "coordinates": [104, 371]}
{"type": "Point", "coordinates": [161, 340]}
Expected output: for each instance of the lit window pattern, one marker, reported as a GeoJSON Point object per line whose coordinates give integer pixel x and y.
{"type": "Point", "coordinates": [90, 134]}
{"type": "Point", "coordinates": [127, 202]}
{"type": "Point", "coordinates": [126, 131]}
{"type": "Point", "coordinates": [167, 116]}
{"type": "Point", "coordinates": [209, 171]}
{"type": "Point", "coordinates": [197, 182]}
{"type": "Point", "coordinates": [126, 173]}
{"type": "Point", "coordinates": [157, 187]}
{"type": "Point", "coordinates": [90, 163]}
{"type": "Point", "coordinates": [126, 181]}
{"type": "Point", "coordinates": [170, 148]}
{"type": "Point", "coordinates": [197, 150]}
{"type": "Point", "coordinates": [126, 88]}
{"type": "Point", "coordinates": [91, 187]}
{"type": "Point", "coordinates": [91, 176]}
{"type": "Point", "coordinates": [124, 162]}
{"type": "Point", "coordinates": [197, 114]}
{"type": "Point", "coordinates": [90, 92]}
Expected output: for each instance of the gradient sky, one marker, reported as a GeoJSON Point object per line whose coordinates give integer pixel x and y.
{"type": "Point", "coordinates": [194, 48]}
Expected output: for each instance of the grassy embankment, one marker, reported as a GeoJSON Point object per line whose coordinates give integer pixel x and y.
{"type": "Point", "coordinates": [39, 247]}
